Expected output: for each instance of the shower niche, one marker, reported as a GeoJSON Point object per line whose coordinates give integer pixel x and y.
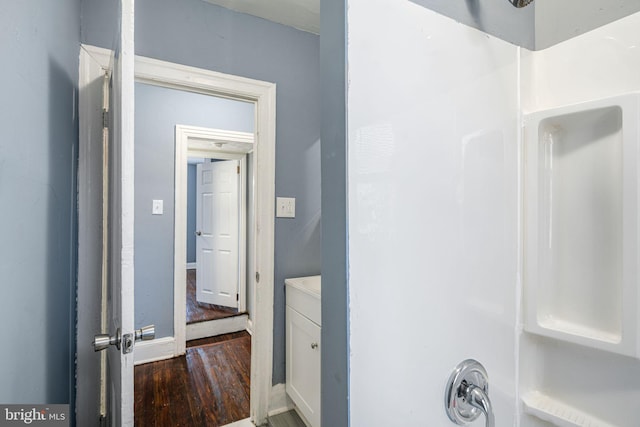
{"type": "Point", "coordinates": [581, 344]}
{"type": "Point", "coordinates": [581, 224]}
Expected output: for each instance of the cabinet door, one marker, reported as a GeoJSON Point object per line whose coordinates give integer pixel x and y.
{"type": "Point", "coordinates": [303, 365]}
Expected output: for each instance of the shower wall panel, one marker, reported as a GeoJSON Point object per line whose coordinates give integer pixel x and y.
{"type": "Point", "coordinates": [433, 212]}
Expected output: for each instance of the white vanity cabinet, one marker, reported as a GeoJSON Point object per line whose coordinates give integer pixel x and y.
{"type": "Point", "coordinates": [303, 326]}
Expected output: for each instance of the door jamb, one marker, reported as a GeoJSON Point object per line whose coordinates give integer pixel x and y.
{"type": "Point", "coordinates": [263, 95]}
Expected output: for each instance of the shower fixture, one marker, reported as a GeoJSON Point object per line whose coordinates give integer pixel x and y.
{"type": "Point", "coordinates": [520, 3]}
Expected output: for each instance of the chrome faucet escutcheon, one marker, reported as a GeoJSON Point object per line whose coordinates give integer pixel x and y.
{"type": "Point", "coordinates": [467, 394]}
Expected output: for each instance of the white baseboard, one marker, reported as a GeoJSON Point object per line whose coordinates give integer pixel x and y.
{"type": "Point", "coordinates": [212, 328]}
{"type": "Point", "coordinates": [250, 326]}
{"type": "Point", "coordinates": [279, 401]}
{"type": "Point", "coordinates": [191, 266]}
{"type": "Point", "coordinates": [154, 350]}
{"type": "Point", "coordinates": [242, 423]}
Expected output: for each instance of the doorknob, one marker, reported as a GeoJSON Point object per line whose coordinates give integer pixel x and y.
{"type": "Point", "coordinates": [467, 394]}
{"type": "Point", "coordinates": [103, 341]}
{"type": "Point", "coordinates": [198, 233]}
{"type": "Point", "coordinates": [146, 333]}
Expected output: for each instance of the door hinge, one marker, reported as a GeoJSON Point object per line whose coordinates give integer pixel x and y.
{"type": "Point", "coordinates": [257, 277]}
{"type": "Point", "coordinates": [238, 170]}
{"type": "Point", "coordinates": [237, 297]}
{"type": "Point", "coordinates": [105, 119]}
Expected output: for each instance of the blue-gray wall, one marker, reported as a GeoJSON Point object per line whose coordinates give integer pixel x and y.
{"type": "Point", "coordinates": [191, 213]}
{"type": "Point", "coordinates": [39, 41]}
{"type": "Point", "coordinates": [333, 59]}
{"type": "Point", "coordinates": [196, 33]}
{"type": "Point", "coordinates": [158, 110]}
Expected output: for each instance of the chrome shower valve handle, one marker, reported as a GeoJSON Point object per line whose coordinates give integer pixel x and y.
{"type": "Point", "coordinates": [520, 3]}
{"type": "Point", "coordinates": [467, 394]}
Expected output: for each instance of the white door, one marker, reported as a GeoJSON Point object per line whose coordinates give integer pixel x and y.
{"type": "Point", "coordinates": [120, 223]}
{"type": "Point", "coordinates": [217, 221]}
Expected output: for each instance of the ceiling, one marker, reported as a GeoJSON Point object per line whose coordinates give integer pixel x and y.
{"type": "Point", "coordinates": [301, 14]}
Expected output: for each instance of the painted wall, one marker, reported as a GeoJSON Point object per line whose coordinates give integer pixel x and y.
{"type": "Point", "coordinates": [598, 64]}
{"type": "Point", "coordinates": [433, 212]}
{"type": "Point", "coordinates": [211, 37]}
{"type": "Point", "coordinates": [334, 360]}
{"type": "Point", "coordinates": [158, 110]}
{"type": "Point", "coordinates": [38, 157]}
{"type": "Point", "coordinates": [191, 213]}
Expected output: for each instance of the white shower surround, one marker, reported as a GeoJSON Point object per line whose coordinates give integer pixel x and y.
{"type": "Point", "coordinates": [435, 211]}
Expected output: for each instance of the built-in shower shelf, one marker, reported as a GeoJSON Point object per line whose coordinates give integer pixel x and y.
{"type": "Point", "coordinates": [558, 413]}
{"type": "Point", "coordinates": [559, 329]}
{"type": "Point", "coordinates": [581, 223]}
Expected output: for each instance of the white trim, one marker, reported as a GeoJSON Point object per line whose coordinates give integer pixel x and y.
{"type": "Point", "coordinates": [163, 348]}
{"type": "Point", "coordinates": [191, 266]}
{"type": "Point", "coordinates": [211, 328]}
{"type": "Point", "coordinates": [242, 423]}
{"type": "Point", "coordinates": [180, 249]}
{"type": "Point", "coordinates": [242, 236]}
{"type": "Point", "coordinates": [264, 95]}
{"type": "Point", "coordinates": [279, 400]}
{"type": "Point", "coordinates": [178, 76]}
{"type": "Point", "coordinates": [154, 350]}
{"type": "Point", "coordinates": [90, 376]}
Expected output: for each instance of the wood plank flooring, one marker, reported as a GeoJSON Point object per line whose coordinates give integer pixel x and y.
{"type": "Point", "coordinates": [207, 387]}
{"type": "Point", "coordinates": [201, 312]}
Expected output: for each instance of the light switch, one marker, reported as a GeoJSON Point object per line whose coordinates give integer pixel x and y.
{"type": "Point", "coordinates": [285, 207]}
{"type": "Point", "coordinates": [157, 207]}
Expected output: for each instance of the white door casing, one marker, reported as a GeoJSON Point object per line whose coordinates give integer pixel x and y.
{"type": "Point", "coordinates": [90, 239]}
{"type": "Point", "coordinates": [217, 229]}
{"type": "Point", "coordinates": [120, 305]}
{"type": "Point", "coordinates": [261, 226]}
{"type": "Point", "coordinates": [200, 142]}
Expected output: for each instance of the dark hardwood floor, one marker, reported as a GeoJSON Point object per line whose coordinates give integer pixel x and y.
{"type": "Point", "coordinates": [207, 387]}
{"type": "Point", "coordinates": [200, 312]}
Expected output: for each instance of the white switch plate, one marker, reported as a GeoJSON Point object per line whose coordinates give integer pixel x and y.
{"type": "Point", "coordinates": [157, 207]}
{"type": "Point", "coordinates": [285, 207]}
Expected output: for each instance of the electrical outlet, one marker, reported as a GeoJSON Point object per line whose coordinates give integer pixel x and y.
{"type": "Point", "coordinates": [285, 207]}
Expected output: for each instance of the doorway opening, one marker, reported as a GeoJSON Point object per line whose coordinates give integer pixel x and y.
{"type": "Point", "coordinates": [261, 193]}
{"type": "Point", "coordinates": [217, 230]}
{"type": "Point", "coordinates": [213, 234]}
{"type": "Point", "coordinates": [216, 250]}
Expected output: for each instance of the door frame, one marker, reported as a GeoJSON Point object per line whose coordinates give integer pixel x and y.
{"type": "Point", "coordinates": [263, 95]}
{"type": "Point", "coordinates": [192, 141]}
